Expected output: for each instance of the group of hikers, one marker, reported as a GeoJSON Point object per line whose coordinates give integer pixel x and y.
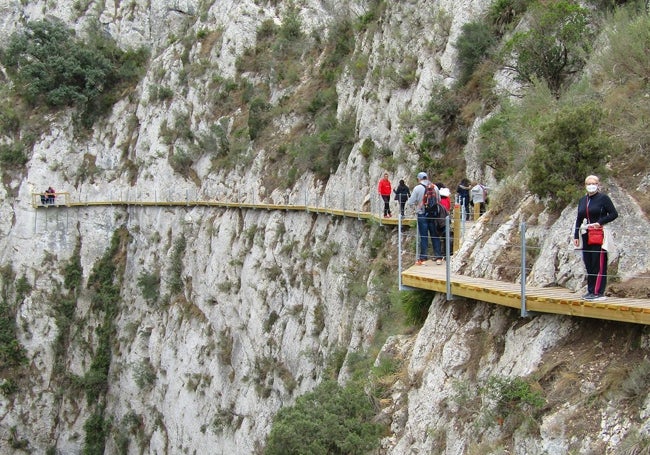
{"type": "Point", "coordinates": [468, 195]}
{"type": "Point", "coordinates": [432, 204]}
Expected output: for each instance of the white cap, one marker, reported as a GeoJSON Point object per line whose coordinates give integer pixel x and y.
{"type": "Point", "coordinates": [422, 175]}
{"type": "Point", "coordinates": [445, 192]}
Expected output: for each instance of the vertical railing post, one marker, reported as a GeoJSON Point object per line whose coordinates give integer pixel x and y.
{"type": "Point", "coordinates": [306, 204]}
{"type": "Point", "coordinates": [457, 226]}
{"type": "Point", "coordinates": [524, 311]}
{"type": "Point", "coordinates": [417, 237]}
{"type": "Point", "coordinates": [399, 252]}
{"type": "Point", "coordinates": [448, 256]}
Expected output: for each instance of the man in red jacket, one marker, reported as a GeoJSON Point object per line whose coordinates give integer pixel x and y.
{"type": "Point", "coordinates": [385, 191]}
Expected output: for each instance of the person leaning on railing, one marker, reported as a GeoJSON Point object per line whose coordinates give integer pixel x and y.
{"type": "Point", "coordinates": [48, 197]}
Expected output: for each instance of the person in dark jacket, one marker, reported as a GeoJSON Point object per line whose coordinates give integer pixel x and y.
{"type": "Point", "coordinates": [595, 209]}
{"type": "Point", "coordinates": [402, 194]}
{"type": "Point", "coordinates": [463, 196]}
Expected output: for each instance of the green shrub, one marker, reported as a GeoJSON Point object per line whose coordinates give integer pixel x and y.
{"type": "Point", "coordinates": [568, 148]}
{"type": "Point", "coordinates": [72, 271]}
{"type": "Point", "coordinates": [181, 161]}
{"type": "Point", "coordinates": [144, 374]}
{"type": "Point", "coordinates": [367, 148]}
{"type": "Point", "coordinates": [291, 27]}
{"type": "Point", "coordinates": [340, 44]}
{"type": "Point", "coordinates": [8, 387]}
{"type": "Point", "coordinates": [258, 117]}
{"type": "Point", "coordinates": [9, 120]}
{"type": "Point", "coordinates": [322, 152]}
{"type": "Point", "coordinates": [498, 141]}
{"type": "Point", "coordinates": [149, 284]}
{"type": "Point", "coordinates": [158, 93]}
{"type": "Point", "coordinates": [474, 45]}
{"type": "Point", "coordinates": [11, 352]}
{"type": "Point", "coordinates": [176, 266]}
{"type": "Point", "coordinates": [440, 116]}
{"type": "Point", "coordinates": [554, 47]}
{"type": "Point", "coordinates": [330, 419]}
{"type": "Point", "coordinates": [416, 306]}
{"type": "Point", "coordinates": [50, 66]}
{"type": "Point", "coordinates": [323, 100]}
{"type": "Point", "coordinates": [23, 287]}
{"type": "Point", "coordinates": [96, 428]}
{"type": "Point", "coordinates": [509, 395]}
{"type": "Point", "coordinates": [502, 14]}
{"type": "Point", "coordinates": [13, 155]}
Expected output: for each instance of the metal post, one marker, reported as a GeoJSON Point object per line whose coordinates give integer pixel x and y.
{"type": "Point", "coordinates": [524, 311]}
{"type": "Point", "coordinates": [417, 237]}
{"type": "Point", "coordinates": [457, 223]}
{"type": "Point", "coordinates": [448, 257]}
{"type": "Point", "coordinates": [399, 252]}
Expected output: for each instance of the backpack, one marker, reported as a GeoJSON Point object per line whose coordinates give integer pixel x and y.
{"type": "Point", "coordinates": [440, 219]}
{"type": "Point", "coordinates": [430, 201]}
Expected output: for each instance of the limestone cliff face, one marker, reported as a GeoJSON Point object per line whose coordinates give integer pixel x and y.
{"type": "Point", "coordinates": [253, 305]}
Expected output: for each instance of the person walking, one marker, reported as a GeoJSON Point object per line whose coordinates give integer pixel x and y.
{"type": "Point", "coordinates": [479, 194]}
{"type": "Point", "coordinates": [463, 195]}
{"type": "Point", "coordinates": [595, 210]}
{"type": "Point", "coordinates": [385, 190]}
{"type": "Point", "coordinates": [444, 198]}
{"type": "Point", "coordinates": [402, 194]}
{"type": "Point", "coordinates": [426, 225]}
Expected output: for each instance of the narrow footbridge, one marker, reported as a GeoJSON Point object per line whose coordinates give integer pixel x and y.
{"type": "Point", "coordinates": [555, 300]}
{"type": "Point", "coordinates": [438, 278]}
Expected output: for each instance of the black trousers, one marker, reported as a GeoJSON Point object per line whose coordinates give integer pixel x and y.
{"type": "Point", "coordinates": [595, 259]}
{"type": "Point", "coordinates": [386, 204]}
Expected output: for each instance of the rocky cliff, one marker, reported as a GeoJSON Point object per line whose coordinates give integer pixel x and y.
{"type": "Point", "coordinates": [171, 329]}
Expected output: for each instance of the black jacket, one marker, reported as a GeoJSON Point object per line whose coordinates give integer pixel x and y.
{"type": "Point", "coordinates": [402, 193]}
{"type": "Point", "coordinates": [601, 210]}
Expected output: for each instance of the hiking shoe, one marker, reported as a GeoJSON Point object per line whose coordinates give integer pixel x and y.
{"type": "Point", "coordinates": [598, 298]}
{"type": "Point", "coordinates": [438, 261]}
{"type": "Point", "coordinates": [588, 296]}
{"type": "Point", "coordinates": [419, 262]}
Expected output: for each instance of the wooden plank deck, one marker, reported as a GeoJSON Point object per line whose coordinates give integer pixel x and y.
{"type": "Point", "coordinates": [432, 277]}
{"type": "Point", "coordinates": [543, 300]}
{"type": "Point", "coordinates": [407, 222]}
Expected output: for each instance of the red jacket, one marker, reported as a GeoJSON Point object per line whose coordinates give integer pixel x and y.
{"type": "Point", "coordinates": [384, 187]}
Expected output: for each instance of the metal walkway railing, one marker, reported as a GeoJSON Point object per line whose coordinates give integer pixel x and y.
{"type": "Point", "coordinates": [432, 277]}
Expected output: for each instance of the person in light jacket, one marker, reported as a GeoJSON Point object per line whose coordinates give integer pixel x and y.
{"type": "Point", "coordinates": [427, 227]}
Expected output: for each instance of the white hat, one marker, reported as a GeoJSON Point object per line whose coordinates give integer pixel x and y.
{"type": "Point", "coordinates": [422, 175]}
{"type": "Point", "coordinates": [445, 192]}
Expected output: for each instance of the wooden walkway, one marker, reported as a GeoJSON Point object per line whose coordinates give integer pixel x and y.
{"type": "Point", "coordinates": [430, 276]}
{"type": "Point", "coordinates": [63, 200]}
{"type": "Point", "coordinates": [538, 299]}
